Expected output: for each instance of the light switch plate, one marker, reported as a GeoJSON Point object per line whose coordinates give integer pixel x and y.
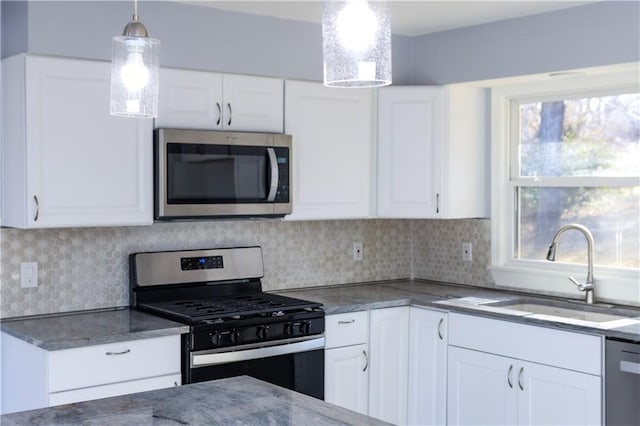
{"type": "Point", "coordinates": [29, 274]}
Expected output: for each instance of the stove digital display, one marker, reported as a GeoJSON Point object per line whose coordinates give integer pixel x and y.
{"type": "Point", "coordinates": [207, 262]}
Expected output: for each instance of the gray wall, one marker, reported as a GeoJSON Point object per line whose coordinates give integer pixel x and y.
{"type": "Point", "coordinates": [212, 39]}
{"type": "Point", "coordinates": [191, 36]}
{"type": "Point", "coordinates": [597, 34]}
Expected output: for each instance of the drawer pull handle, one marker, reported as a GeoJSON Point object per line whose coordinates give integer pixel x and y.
{"type": "Point", "coordinates": [366, 360]}
{"type": "Point", "coordinates": [219, 113]}
{"type": "Point", "coordinates": [351, 321]}
{"type": "Point", "coordinates": [118, 353]}
{"type": "Point", "coordinates": [509, 376]}
{"type": "Point", "coordinates": [440, 329]}
{"type": "Point", "coordinates": [520, 378]}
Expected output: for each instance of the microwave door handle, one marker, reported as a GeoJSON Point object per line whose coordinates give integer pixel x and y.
{"type": "Point", "coordinates": [275, 173]}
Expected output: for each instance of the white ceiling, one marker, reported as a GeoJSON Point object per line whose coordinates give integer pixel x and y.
{"type": "Point", "coordinates": [408, 18]}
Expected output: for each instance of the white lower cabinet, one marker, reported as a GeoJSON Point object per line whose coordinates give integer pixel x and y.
{"type": "Point", "coordinates": [347, 378]}
{"type": "Point", "coordinates": [35, 378]}
{"type": "Point", "coordinates": [346, 361]}
{"type": "Point", "coordinates": [504, 373]}
{"type": "Point", "coordinates": [427, 398]}
{"type": "Point", "coordinates": [389, 363]}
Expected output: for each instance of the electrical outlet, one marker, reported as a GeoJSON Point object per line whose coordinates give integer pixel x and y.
{"type": "Point", "coordinates": [29, 274]}
{"type": "Point", "coordinates": [467, 255]}
{"type": "Point", "coordinates": [357, 251]}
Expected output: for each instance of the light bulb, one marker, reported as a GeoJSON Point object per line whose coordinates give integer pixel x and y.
{"type": "Point", "coordinates": [356, 25]}
{"type": "Point", "coordinates": [134, 74]}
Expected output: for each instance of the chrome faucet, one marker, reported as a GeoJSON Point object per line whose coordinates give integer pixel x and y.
{"type": "Point", "coordinates": [589, 285]}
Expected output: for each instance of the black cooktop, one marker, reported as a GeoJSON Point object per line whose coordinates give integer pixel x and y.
{"type": "Point", "coordinates": [230, 308]}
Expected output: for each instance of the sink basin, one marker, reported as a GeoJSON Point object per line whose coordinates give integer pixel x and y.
{"type": "Point", "coordinates": [557, 311]}
{"type": "Point", "coordinates": [586, 315]}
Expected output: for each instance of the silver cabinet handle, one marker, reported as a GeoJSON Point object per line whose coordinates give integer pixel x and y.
{"type": "Point", "coordinates": [437, 203]}
{"type": "Point", "coordinates": [219, 113]}
{"type": "Point", "coordinates": [35, 216]}
{"type": "Point", "coordinates": [118, 353]}
{"type": "Point", "coordinates": [351, 321]}
{"type": "Point", "coordinates": [520, 378]}
{"type": "Point", "coordinates": [366, 360]}
{"type": "Point", "coordinates": [440, 329]}
{"type": "Point", "coordinates": [509, 376]}
{"type": "Point", "coordinates": [230, 112]}
{"type": "Point", "coordinates": [275, 173]}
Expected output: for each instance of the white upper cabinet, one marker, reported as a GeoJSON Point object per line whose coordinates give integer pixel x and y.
{"type": "Point", "coordinates": [332, 150]}
{"type": "Point", "coordinates": [66, 161]}
{"type": "Point", "coordinates": [432, 159]}
{"type": "Point", "coordinates": [206, 100]}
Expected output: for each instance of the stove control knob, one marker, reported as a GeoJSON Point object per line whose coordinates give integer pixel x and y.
{"type": "Point", "coordinates": [305, 327]}
{"type": "Point", "coordinates": [263, 332]}
{"type": "Point", "coordinates": [214, 338]}
{"type": "Point", "coordinates": [288, 329]}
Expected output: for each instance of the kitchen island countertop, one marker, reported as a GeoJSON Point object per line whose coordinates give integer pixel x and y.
{"type": "Point", "coordinates": [239, 400]}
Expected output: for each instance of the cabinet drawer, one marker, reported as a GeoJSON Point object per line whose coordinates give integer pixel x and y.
{"type": "Point", "coordinates": [114, 389]}
{"type": "Point", "coordinates": [564, 349]}
{"type": "Point", "coordinates": [346, 329]}
{"type": "Point", "coordinates": [114, 362]}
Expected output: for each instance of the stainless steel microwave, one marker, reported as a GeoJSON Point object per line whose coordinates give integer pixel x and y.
{"type": "Point", "coordinates": [206, 173]}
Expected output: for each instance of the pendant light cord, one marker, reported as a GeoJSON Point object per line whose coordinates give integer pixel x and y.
{"type": "Point", "coordinates": [135, 10]}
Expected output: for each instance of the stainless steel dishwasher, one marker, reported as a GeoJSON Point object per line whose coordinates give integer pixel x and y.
{"type": "Point", "coordinates": [622, 383]}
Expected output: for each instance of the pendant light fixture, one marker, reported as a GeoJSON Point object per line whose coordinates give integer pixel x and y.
{"type": "Point", "coordinates": [134, 71]}
{"type": "Point", "coordinates": [356, 43]}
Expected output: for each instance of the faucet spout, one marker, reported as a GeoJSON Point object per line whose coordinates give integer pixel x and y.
{"type": "Point", "coordinates": [589, 285]}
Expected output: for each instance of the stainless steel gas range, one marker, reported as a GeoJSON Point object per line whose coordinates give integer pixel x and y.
{"type": "Point", "coordinates": [235, 327]}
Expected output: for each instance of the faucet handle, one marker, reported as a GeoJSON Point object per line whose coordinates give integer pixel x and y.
{"type": "Point", "coordinates": [581, 286]}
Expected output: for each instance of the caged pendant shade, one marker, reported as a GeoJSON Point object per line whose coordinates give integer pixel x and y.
{"type": "Point", "coordinates": [356, 43]}
{"type": "Point", "coordinates": [135, 67]}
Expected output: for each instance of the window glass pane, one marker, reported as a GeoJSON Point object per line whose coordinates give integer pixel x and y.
{"type": "Point", "coordinates": [611, 214]}
{"type": "Point", "coordinates": [593, 136]}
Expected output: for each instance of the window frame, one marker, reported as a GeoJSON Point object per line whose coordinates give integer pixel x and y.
{"type": "Point", "coordinates": [613, 284]}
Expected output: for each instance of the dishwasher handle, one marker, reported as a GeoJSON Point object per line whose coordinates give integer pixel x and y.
{"type": "Point", "coordinates": [630, 367]}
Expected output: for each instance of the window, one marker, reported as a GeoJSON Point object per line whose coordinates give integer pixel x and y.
{"type": "Point", "coordinates": [567, 151]}
{"type": "Point", "coordinates": [573, 160]}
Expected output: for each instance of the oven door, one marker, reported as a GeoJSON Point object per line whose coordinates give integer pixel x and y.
{"type": "Point", "coordinates": [296, 364]}
{"type": "Point", "coordinates": [204, 173]}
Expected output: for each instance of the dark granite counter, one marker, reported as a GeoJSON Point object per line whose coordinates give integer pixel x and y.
{"type": "Point", "coordinates": [234, 401]}
{"type": "Point", "coordinates": [358, 297]}
{"type": "Point", "coordinates": [86, 328]}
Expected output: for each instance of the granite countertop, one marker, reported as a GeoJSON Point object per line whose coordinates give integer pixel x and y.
{"type": "Point", "coordinates": [358, 297]}
{"type": "Point", "coordinates": [86, 328]}
{"type": "Point", "coordinates": [238, 400]}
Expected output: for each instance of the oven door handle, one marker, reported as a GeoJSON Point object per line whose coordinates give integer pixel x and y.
{"type": "Point", "coordinates": [204, 360]}
{"type": "Point", "coordinates": [275, 174]}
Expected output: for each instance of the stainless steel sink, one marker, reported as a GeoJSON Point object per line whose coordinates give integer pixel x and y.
{"type": "Point", "coordinates": [604, 317]}
{"type": "Point", "coordinates": [557, 311]}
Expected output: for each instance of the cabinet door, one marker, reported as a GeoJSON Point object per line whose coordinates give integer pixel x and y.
{"type": "Point", "coordinates": [481, 388]}
{"type": "Point", "coordinates": [409, 137]}
{"type": "Point", "coordinates": [427, 403]}
{"type": "Point", "coordinates": [72, 164]}
{"type": "Point", "coordinates": [346, 375]}
{"type": "Point", "coordinates": [189, 99]}
{"type": "Point", "coordinates": [252, 103]}
{"type": "Point", "coordinates": [555, 396]}
{"type": "Point", "coordinates": [332, 139]}
{"type": "Point", "coordinates": [389, 361]}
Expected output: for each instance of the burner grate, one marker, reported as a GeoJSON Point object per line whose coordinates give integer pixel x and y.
{"type": "Point", "coordinates": [234, 307]}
